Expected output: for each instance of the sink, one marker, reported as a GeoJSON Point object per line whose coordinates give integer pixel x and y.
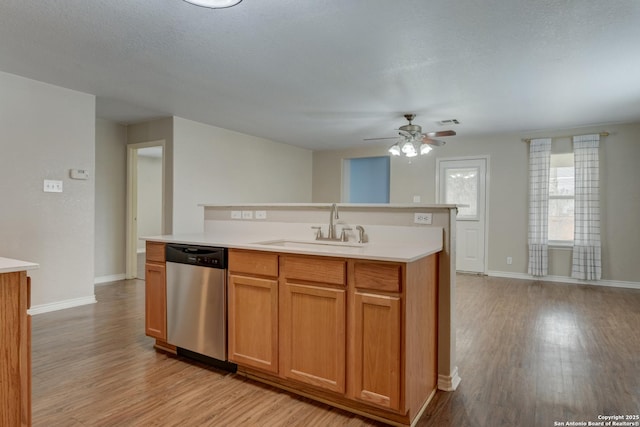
{"type": "Point", "coordinates": [315, 245]}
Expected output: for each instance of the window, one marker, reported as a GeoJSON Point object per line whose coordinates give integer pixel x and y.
{"type": "Point", "coordinates": [561, 198]}
{"type": "Point", "coordinates": [462, 188]}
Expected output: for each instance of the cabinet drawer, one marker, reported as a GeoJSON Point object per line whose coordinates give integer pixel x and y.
{"type": "Point", "coordinates": [378, 276]}
{"type": "Point", "coordinates": [331, 271]}
{"type": "Point", "coordinates": [155, 252]}
{"type": "Point", "coordinates": [253, 262]}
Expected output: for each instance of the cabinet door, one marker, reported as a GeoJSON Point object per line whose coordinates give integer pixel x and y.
{"type": "Point", "coordinates": [376, 369]}
{"type": "Point", "coordinates": [156, 301]}
{"type": "Point", "coordinates": [253, 322]}
{"type": "Point", "coordinates": [15, 350]}
{"type": "Point", "coordinates": [312, 340]}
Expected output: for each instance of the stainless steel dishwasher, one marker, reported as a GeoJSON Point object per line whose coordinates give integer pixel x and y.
{"type": "Point", "coordinates": [197, 301]}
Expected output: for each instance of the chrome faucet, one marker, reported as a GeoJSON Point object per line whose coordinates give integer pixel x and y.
{"type": "Point", "coordinates": [331, 234]}
{"type": "Point", "coordinates": [361, 236]}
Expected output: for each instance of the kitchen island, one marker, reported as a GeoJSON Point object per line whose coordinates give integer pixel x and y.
{"type": "Point", "coordinates": [15, 342]}
{"type": "Point", "coordinates": [350, 323]}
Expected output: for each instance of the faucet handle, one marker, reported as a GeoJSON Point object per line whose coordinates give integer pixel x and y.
{"type": "Point", "coordinates": [318, 232]}
{"type": "Point", "coordinates": [344, 237]}
{"type": "Point", "coordinates": [361, 235]}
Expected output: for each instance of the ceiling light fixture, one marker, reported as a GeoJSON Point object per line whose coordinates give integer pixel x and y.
{"type": "Point", "coordinates": [214, 4]}
{"type": "Point", "coordinates": [407, 146]}
{"type": "Point", "coordinates": [412, 141]}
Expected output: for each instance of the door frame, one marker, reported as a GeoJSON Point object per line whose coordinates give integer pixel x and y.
{"type": "Point", "coordinates": [487, 159]}
{"type": "Point", "coordinates": [131, 241]}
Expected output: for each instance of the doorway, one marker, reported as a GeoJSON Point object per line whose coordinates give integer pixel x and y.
{"type": "Point", "coordinates": [145, 201]}
{"type": "Point", "coordinates": [366, 180]}
{"type": "Point", "coordinates": [464, 181]}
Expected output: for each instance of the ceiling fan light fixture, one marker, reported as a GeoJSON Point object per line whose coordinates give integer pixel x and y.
{"type": "Point", "coordinates": [409, 149]}
{"type": "Point", "coordinates": [214, 4]}
{"type": "Point", "coordinates": [425, 148]}
{"type": "Point", "coordinates": [412, 141]}
{"type": "Point", "coordinates": [394, 149]}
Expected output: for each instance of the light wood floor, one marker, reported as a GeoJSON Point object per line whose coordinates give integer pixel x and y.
{"type": "Point", "coordinates": [529, 353]}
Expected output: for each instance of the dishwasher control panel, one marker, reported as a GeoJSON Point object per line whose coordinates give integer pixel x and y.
{"type": "Point", "coordinates": [204, 256]}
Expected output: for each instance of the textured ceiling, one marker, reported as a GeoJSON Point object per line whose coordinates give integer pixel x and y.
{"type": "Point", "coordinates": [326, 74]}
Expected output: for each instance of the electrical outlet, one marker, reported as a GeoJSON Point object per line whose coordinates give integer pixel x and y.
{"type": "Point", "coordinates": [422, 218]}
{"type": "Point", "coordinates": [509, 260]}
{"type": "Point", "coordinates": [52, 186]}
{"type": "Point", "coordinates": [236, 215]}
{"type": "Point", "coordinates": [247, 214]}
{"type": "Point", "coordinates": [417, 199]}
{"type": "Point", "coordinates": [261, 214]}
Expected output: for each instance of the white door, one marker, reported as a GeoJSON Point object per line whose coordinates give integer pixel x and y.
{"type": "Point", "coordinates": [464, 181]}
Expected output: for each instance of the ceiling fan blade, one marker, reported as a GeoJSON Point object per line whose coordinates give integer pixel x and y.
{"type": "Point", "coordinates": [440, 134]}
{"type": "Point", "coordinates": [434, 142]}
{"type": "Point", "coordinates": [377, 139]}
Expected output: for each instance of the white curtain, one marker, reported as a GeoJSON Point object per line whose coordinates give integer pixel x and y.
{"type": "Point", "coordinates": [586, 246]}
{"type": "Point", "coordinates": [539, 160]}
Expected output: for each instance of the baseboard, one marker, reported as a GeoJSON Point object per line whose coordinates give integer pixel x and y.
{"type": "Point", "coordinates": [449, 382]}
{"type": "Point", "coordinates": [109, 278]}
{"type": "Point", "coordinates": [565, 279]}
{"type": "Point", "coordinates": [61, 305]}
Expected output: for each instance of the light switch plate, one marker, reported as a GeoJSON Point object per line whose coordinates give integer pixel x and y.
{"type": "Point", "coordinates": [236, 215]}
{"type": "Point", "coordinates": [261, 214]}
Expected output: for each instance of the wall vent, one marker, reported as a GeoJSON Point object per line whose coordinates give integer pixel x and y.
{"type": "Point", "coordinates": [448, 122]}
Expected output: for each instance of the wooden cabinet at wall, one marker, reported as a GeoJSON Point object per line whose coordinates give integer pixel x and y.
{"type": "Point", "coordinates": [156, 292]}
{"type": "Point", "coordinates": [313, 321]}
{"type": "Point", "coordinates": [15, 349]}
{"type": "Point", "coordinates": [253, 309]}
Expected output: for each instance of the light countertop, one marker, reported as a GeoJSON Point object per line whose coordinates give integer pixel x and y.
{"type": "Point", "coordinates": [8, 265]}
{"type": "Point", "coordinates": [383, 251]}
{"type": "Point", "coordinates": [358, 206]}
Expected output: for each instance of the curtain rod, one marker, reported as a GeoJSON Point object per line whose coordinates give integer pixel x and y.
{"type": "Point", "coordinates": [564, 136]}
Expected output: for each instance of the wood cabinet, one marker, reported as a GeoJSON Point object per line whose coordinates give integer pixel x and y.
{"type": "Point", "coordinates": [313, 321]}
{"type": "Point", "coordinates": [156, 292]}
{"type": "Point", "coordinates": [253, 322]}
{"type": "Point", "coordinates": [15, 349]}
{"type": "Point", "coordinates": [376, 333]}
{"type": "Point", "coordinates": [359, 334]}
{"type": "Point", "coordinates": [253, 310]}
{"type": "Point", "coordinates": [377, 336]}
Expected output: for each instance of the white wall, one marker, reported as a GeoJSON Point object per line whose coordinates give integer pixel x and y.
{"type": "Point", "coordinates": [46, 130]}
{"type": "Point", "coordinates": [111, 187]}
{"type": "Point", "coordinates": [620, 199]}
{"type": "Point", "coordinates": [214, 165]}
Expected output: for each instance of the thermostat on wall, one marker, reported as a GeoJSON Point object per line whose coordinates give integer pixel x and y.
{"type": "Point", "coordinates": [79, 174]}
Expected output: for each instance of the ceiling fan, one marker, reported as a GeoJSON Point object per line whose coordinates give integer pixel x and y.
{"type": "Point", "coordinates": [410, 135]}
